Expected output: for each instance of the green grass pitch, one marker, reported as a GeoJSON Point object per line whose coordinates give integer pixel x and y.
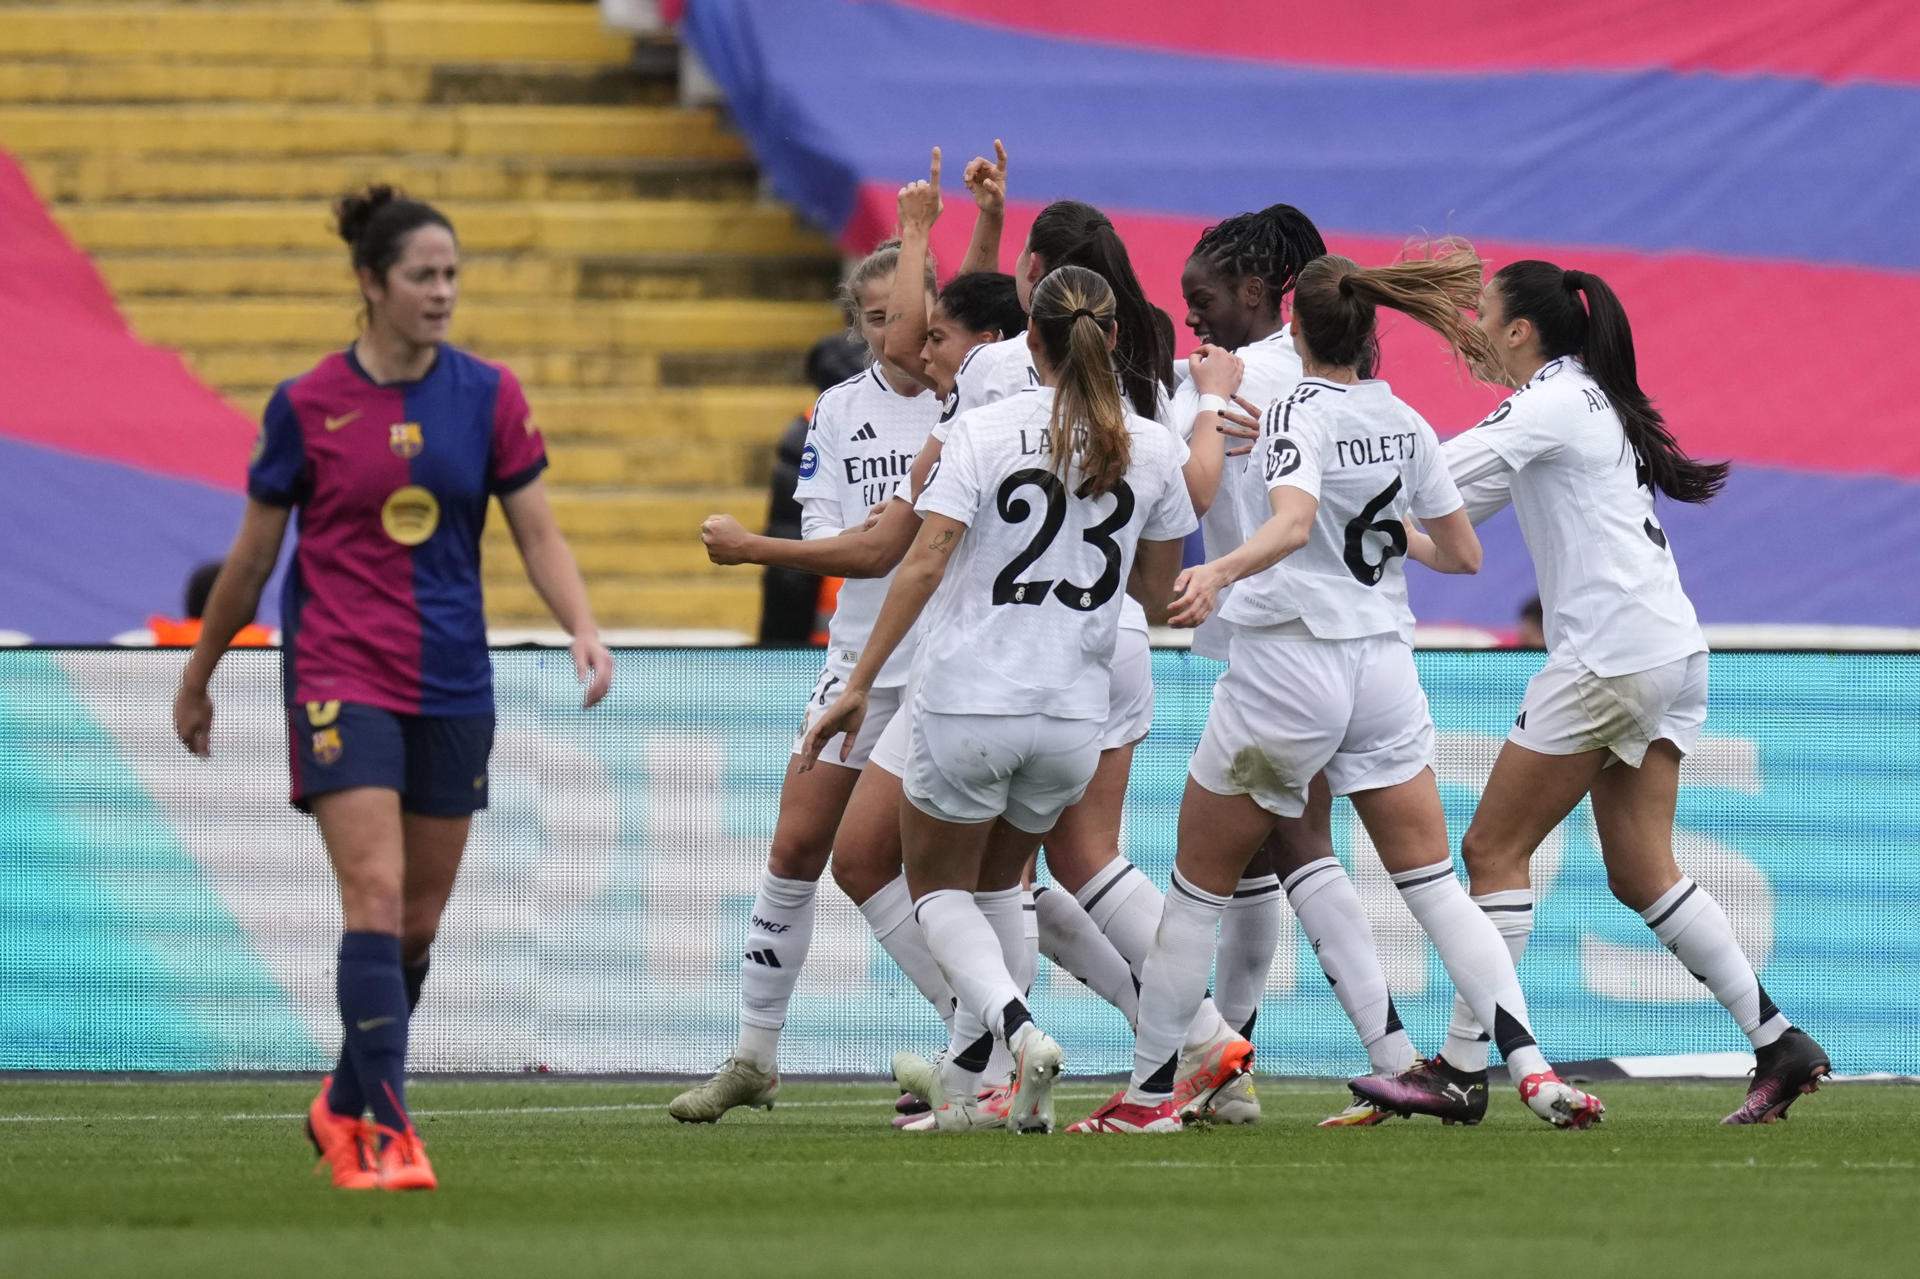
{"type": "Point", "coordinates": [547, 1178]}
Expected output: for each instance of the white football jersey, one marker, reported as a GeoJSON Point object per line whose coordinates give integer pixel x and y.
{"type": "Point", "coordinates": [1608, 585]}
{"type": "Point", "coordinates": [990, 372]}
{"type": "Point", "coordinates": [1026, 620]}
{"type": "Point", "coordinates": [860, 448]}
{"type": "Point", "coordinates": [996, 370]}
{"type": "Point", "coordinates": [1272, 367]}
{"type": "Point", "coordinates": [1373, 463]}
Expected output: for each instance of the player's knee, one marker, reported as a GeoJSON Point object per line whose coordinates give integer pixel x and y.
{"type": "Point", "coordinates": [859, 878]}
{"type": "Point", "coordinates": [799, 858]}
{"type": "Point", "coordinates": [371, 905]}
{"type": "Point", "coordinates": [1488, 858]}
{"type": "Point", "coordinates": [1638, 889]}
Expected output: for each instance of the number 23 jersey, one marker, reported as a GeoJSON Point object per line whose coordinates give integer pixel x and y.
{"type": "Point", "coordinates": [1372, 462]}
{"type": "Point", "coordinates": [1028, 614]}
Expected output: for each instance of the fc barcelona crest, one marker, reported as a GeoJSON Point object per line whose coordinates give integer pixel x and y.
{"type": "Point", "coordinates": [326, 745]}
{"type": "Point", "coordinates": [405, 439]}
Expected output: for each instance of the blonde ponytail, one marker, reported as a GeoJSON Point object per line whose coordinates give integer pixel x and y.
{"type": "Point", "coordinates": [1073, 314]}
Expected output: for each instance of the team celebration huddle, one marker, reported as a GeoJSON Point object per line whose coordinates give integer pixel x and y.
{"type": "Point", "coordinates": [1008, 488]}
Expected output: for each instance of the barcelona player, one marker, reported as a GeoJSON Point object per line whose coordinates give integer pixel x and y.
{"type": "Point", "coordinates": [390, 450]}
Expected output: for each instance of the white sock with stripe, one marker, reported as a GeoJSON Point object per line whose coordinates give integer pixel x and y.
{"type": "Point", "coordinates": [889, 913]}
{"type": "Point", "coordinates": [1328, 906]}
{"type": "Point", "coordinates": [1249, 931]}
{"type": "Point", "coordinates": [1691, 924]}
{"type": "Point", "coordinates": [1511, 910]}
{"type": "Point", "coordinates": [1173, 982]}
{"type": "Point", "coordinates": [1476, 959]}
{"type": "Point", "coordinates": [1070, 938]}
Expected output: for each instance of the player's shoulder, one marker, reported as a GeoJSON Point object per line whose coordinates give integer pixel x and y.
{"type": "Point", "coordinates": [842, 396]}
{"type": "Point", "coordinates": [1312, 404]}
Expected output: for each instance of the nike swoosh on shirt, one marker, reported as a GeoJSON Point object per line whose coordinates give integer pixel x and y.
{"type": "Point", "coordinates": [335, 423]}
{"type": "Point", "coordinates": [374, 1023]}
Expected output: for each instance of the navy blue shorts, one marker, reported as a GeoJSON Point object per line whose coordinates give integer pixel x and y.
{"type": "Point", "coordinates": [438, 763]}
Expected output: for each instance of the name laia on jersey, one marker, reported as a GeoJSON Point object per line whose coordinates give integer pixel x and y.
{"type": "Point", "coordinates": [1040, 440]}
{"type": "Point", "coordinates": [877, 476]}
{"type": "Point", "coordinates": [1397, 447]}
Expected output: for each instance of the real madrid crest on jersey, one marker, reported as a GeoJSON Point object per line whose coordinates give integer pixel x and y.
{"type": "Point", "coordinates": [405, 439]}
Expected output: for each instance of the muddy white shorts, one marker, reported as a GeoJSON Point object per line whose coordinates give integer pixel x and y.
{"type": "Point", "coordinates": [974, 768]}
{"type": "Point", "coordinates": [883, 705]}
{"type": "Point", "coordinates": [1569, 709]}
{"type": "Point", "coordinates": [1129, 692]}
{"type": "Point", "coordinates": [1290, 705]}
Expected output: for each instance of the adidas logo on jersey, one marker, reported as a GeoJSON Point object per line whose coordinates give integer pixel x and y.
{"type": "Point", "coordinates": [866, 432]}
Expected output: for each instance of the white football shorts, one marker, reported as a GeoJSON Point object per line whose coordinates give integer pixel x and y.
{"type": "Point", "coordinates": [974, 768]}
{"type": "Point", "coordinates": [1130, 692]}
{"type": "Point", "coordinates": [1569, 709]}
{"type": "Point", "coordinates": [1290, 705]}
{"type": "Point", "coordinates": [883, 705]}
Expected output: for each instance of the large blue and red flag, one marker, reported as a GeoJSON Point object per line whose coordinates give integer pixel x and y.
{"type": "Point", "coordinates": [119, 470]}
{"type": "Point", "coordinates": [1745, 178]}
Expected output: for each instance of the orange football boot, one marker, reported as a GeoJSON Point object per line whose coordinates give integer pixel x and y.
{"type": "Point", "coordinates": [403, 1161]}
{"type": "Point", "coordinates": [343, 1143]}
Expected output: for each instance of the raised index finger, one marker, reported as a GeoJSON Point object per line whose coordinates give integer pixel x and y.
{"type": "Point", "coordinates": [933, 175]}
{"type": "Point", "coordinates": [1000, 154]}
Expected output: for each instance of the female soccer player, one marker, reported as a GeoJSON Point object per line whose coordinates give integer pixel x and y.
{"type": "Point", "coordinates": [1012, 702]}
{"type": "Point", "coordinates": [865, 435]}
{"type": "Point", "coordinates": [1321, 675]}
{"type": "Point", "coordinates": [390, 450]}
{"type": "Point", "coordinates": [1581, 452]}
{"type": "Point", "coordinates": [1234, 283]}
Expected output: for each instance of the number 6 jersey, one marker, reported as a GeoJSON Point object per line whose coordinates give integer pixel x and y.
{"type": "Point", "coordinates": [1027, 616]}
{"type": "Point", "coordinates": [1373, 462]}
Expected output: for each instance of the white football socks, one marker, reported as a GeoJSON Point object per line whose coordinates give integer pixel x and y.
{"type": "Point", "coordinates": [1511, 910]}
{"type": "Point", "coordinates": [1070, 938]}
{"type": "Point", "coordinates": [1330, 913]}
{"type": "Point", "coordinates": [1249, 931]}
{"type": "Point", "coordinates": [969, 952]}
{"type": "Point", "coordinates": [777, 937]}
{"type": "Point", "coordinates": [1126, 906]}
{"type": "Point", "coordinates": [1692, 925]}
{"type": "Point", "coordinates": [1476, 959]}
{"type": "Point", "coordinates": [1005, 909]}
{"type": "Point", "coordinates": [1172, 985]}
{"type": "Point", "coordinates": [889, 913]}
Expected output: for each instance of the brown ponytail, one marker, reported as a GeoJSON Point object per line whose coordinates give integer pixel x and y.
{"type": "Point", "coordinates": [1336, 300]}
{"type": "Point", "coordinates": [1073, 315]}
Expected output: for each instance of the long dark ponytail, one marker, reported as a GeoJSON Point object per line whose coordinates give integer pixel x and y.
{"type": "Point", "coordinates": [1599, 334]}
{"type": "Point", "coordinates": [1070, 233]}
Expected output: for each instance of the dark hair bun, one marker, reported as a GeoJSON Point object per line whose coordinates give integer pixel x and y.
{"type": "Point", "coordinates": [352, 213]}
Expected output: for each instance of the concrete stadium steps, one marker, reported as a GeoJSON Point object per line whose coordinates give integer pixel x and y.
{"type": "Point", "coordinates": [616, 253]}
{"type": "Point", "coordinates": [205, 82]}
{"type": "Point", "coordinates": [722, 606]}
{"type": "Point", "coordinates": [579, 227]}
{"type": "Point", "coordinates": [298, 129]}
{"type": "Point", "coordinates": [94, 177]}
{"type": "Point", "coordinates": [522, 276]}
{"type": "Point", "coordinates": [390, 34]}
{"type": "Point", "coordinates": [722, 326]}
{"type": "Point", "coordinates": [691, 419]}
{"type": "Point", "coordinates": [619, 372]}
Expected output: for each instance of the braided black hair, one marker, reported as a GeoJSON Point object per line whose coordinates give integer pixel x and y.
{"type": "Point", "coordinates": [1273, 244]}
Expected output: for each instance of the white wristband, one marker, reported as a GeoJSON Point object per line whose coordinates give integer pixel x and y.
{"type": "Point", "coordinates": [1213, 404]}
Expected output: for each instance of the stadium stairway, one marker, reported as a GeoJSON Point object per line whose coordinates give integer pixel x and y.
{"type": "Point", "coordinates": [617, 254]}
